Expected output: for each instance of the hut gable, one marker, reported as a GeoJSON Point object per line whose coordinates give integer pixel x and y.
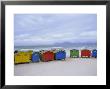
{"type": "Point", "coordinates": [85, 53]}
{"type": "Point", "coordinates": [48, 56]}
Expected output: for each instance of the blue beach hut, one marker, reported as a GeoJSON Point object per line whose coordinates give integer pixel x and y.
{"type": "Point", "coordinates": [94, 53]}
{"type": "Point", "coordinates": [60, 55]}
{"type": "Point", "coordinates": [35, 57]}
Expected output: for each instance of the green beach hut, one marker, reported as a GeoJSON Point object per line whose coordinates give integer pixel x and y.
{"type": "Point", "coordinates": [74, 53]}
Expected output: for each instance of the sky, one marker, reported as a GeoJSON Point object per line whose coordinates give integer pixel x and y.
{"type": "Point", "coordinates": [50, 29]}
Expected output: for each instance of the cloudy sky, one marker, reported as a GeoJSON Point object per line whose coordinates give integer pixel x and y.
{"type": "Point", "coordinates": [49, 29]}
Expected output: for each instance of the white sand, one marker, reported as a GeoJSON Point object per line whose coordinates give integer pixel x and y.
{"type": "Point", "coordinates": [68, 67]}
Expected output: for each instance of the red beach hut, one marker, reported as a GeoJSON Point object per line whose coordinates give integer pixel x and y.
{"type": "Point", "coordinates": [47, 56]}
{"type": "Point", "coordinates": [85, 53]}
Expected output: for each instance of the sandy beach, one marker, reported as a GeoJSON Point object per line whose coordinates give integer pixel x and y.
{"type": "Point", "coordinates": [68, 67]}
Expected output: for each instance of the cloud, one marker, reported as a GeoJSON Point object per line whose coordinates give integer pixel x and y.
{"type": "Point", "coordinates": [47, 29]}
{"type": "Point", "coordinates": [88, 34]}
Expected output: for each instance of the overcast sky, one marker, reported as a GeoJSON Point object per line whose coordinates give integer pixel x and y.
{"type": "Point", "coordinates": [48, 29]}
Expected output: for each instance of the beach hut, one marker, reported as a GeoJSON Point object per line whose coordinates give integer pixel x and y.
{"type": "Point", "coordinates": [94, 53]}
{"type": "Point", "coordinates": [47, 56]}
{"type": "Point", "coordinates": [74, 53]}
{"type": "Point", "coordinates": [21, 57]}
{"type": "Point", "coordinates": [60, 55]}
{"type": "Point", "coordinates": [35, 57]}
{"type": "Point", "coordinates": [85, 53]}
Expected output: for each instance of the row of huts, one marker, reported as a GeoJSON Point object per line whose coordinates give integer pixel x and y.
{"type": "Point", "coordinates": [50, 55]}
